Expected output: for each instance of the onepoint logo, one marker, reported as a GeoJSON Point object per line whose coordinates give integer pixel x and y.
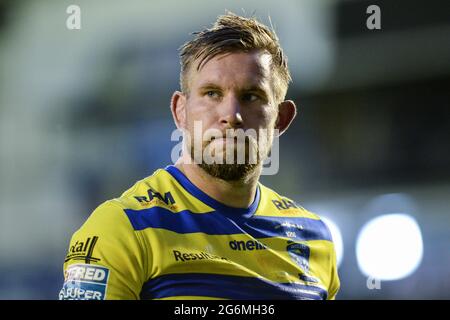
{"type": "Point", "coordinates": [246, 245]}
{"type": "Point", "coordinates": [236, 146]}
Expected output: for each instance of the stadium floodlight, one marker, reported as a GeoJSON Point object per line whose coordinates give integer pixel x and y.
{"type": "Point", "coordinates": [389, 247]}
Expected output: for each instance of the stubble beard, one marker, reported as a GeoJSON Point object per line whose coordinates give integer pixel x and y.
{"type": "Point", "coordinates": [229, 171]}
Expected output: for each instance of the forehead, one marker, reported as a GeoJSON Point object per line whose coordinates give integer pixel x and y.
{"type": "Point", "coordinates": [235, 69]}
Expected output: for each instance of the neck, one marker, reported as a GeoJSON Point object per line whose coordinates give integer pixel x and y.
{"type": "Point", "coordinates": [238, 194]}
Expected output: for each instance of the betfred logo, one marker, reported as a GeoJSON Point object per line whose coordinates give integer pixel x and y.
{"type": "Point", "coordinates": [84, 282]}
{"type": "Point", "coordinates": [81, 272]}
{"type": "Point", "coordinates": [80, 294]}
{"type": "Point", "coordinates": [246, 245]}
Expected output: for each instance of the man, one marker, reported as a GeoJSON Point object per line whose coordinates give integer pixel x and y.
{"type": "Point", "coordinates": [203, 229]}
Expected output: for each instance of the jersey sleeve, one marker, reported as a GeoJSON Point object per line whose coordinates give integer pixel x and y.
{"type": "Point", "coordinates": [105, 259]}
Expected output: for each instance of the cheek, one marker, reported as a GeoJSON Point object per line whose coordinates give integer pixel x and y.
{"type": "Point", "coordinates": [198, 119]}
{"type": "Point", "coordinates": [273, 117]}
{"type": "Point", "coordinates": [197, 110]}
{"type": "Point", "coordinates": [263, 117]}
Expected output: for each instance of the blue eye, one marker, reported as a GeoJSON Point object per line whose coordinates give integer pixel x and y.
{"type": "Point", "coordinates": [212, 94]}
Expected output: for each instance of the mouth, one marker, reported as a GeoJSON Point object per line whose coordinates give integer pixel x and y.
{"type": "Point", "coordinates": [226, 141]}
{"type": "Point", "coordinates": [223, 138]}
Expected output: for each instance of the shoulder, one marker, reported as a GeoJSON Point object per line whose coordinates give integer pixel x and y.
{"type": "Point", "coordinates": [110, 216]}
{"type": "Point", "coordinates": [277, 206]}
{"type": "Point", "coordinates": [154, 190]}
{"type": "Point", "coordinates": [159, 192]}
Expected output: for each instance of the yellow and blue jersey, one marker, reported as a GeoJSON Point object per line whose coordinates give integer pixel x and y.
{"type": "Point", "coordinates": [164, 238]}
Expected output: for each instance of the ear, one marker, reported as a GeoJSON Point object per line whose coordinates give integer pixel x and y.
{"type": "Point", "coordinates": [178, 108]}
{"type": "Point", "coordinates": [286, 113]}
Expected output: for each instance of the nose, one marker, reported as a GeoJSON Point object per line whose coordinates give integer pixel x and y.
{"type": "Point", "coordinates": [231, 116]}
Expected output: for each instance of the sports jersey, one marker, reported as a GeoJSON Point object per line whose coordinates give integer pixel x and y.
{"type": "Point", "coordinates": [164, 238]}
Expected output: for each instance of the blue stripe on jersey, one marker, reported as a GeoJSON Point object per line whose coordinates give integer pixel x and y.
{"type": "Point", "coordinates": [180, 222]}
{"type": "Point", "coordinates": [215, 223]}
{"type": "Point", "coordinates": [303, 228]}
{"type": "Point", "coordinates": [227, 287]}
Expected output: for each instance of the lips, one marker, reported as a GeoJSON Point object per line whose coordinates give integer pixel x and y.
{"type": "Point", "coordinates": [230, 139]}
{"type": "Point", "coordinates": [233, 141]}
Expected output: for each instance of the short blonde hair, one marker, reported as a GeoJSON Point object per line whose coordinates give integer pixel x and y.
{"type": "Point", "coordinates": [233, 33]}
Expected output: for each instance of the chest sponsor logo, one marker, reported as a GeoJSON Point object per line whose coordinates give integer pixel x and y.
{"type": "Point", "coordinates": [83, 250]}
{"type": "Point", "coordinates": [249, 245]}
{"type": "Point", "coordinates": [84, 282]}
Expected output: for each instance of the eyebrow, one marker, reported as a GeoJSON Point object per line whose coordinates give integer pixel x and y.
{"type": "Point", "coordinates": [253, 88]}
{"type": "Point", "coordinates": [209, 85]}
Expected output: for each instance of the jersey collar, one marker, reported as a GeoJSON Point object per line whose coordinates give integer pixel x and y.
{"type": "Point", "coordinates": [231, 212]}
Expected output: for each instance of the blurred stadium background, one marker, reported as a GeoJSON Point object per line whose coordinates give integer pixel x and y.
{"type": "Point", "coordinates": [85, 113]}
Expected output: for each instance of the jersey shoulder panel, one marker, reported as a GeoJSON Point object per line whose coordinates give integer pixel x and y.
{"type": "Point", "coordinates": [274, 204]}
{"type": "Point", "coordinates": [107, 218]}
{"type": "Point", "coordinates": [160, 190]}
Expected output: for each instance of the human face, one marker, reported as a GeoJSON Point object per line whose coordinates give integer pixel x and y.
{"type": "Point", "coordinates": [232, 91]}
